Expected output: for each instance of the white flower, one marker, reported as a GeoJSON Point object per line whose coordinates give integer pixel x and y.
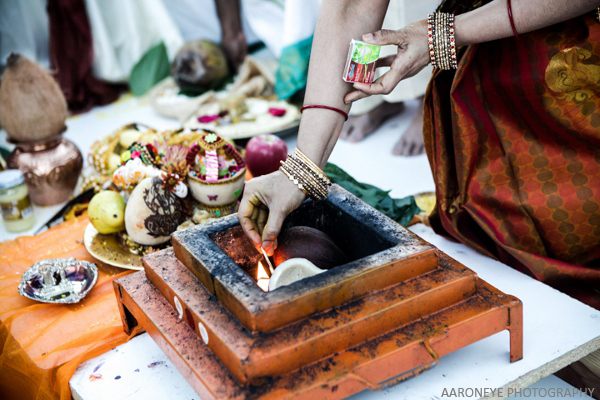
{"type": "Point", "coordinates": [132, 173]}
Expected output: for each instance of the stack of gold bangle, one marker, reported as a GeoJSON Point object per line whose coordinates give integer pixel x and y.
{"type": "Point", "coordinates": [440, 38]}
{"type": "Point", "coordinates": [306, 175]}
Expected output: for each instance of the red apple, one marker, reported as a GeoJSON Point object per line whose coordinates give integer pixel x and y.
{"type": "Point", "coordinates": [263, 153]}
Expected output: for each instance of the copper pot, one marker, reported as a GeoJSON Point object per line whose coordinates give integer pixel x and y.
{"type": "Point", "coordinates": [51, 168]}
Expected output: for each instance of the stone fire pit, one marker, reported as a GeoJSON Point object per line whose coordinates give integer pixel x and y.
{"type": "Point", "coordinates": [387, 315]}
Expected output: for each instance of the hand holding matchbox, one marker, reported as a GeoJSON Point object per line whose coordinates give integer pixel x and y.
{"type": "Point", "coordinates": [361, 62]}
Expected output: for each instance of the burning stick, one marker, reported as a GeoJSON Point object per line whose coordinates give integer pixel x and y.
{"type": "Point", "coordinates": [270, 272]}
{"type": "Point", "coordinates": [263, 277]}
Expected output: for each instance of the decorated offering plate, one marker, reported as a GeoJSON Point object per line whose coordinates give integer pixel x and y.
{"type": "Point", "coordinates": [218, 173]}
{"type": "Point", "coordinates": [58, 280]}
{"type": "Point", "coordinates": [107, 249]}
{"type": "Point", "coordinates": [258, 116]}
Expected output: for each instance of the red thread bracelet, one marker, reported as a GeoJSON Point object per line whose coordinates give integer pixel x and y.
{"type": "Point", "coordinates": [337, 110]}
{"type": "Point", "coordinates": [510, 17]}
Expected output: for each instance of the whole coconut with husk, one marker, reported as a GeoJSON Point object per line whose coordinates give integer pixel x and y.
{"type": "Point", "coordinates": [32, 105]}
{"type": "Point", "coordinates": [200, 65]}
{"type": "Point", "coordinates": [309, 243]}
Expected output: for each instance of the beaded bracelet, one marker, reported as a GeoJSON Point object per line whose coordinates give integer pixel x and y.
{"type": "Point", "coordinates": [441, 41]}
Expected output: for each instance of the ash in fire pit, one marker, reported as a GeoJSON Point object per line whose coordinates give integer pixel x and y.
{"type": "Point", "coordinates": [240, 249]}
{"type": "Point", "coordinates": [298, 242]}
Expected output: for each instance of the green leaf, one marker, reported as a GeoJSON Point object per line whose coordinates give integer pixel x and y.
{"type": "Point", "coordinates": [4, 153]}
{"type": "Point", "coordinates": [152, 68]}
{"type": "Point", "coordinates": [400, 210]}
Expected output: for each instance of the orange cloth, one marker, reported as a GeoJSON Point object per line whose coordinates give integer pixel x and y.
{"type": "Point", "coordinates": [41, 345]}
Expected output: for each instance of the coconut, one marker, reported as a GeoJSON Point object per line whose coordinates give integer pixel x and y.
{"type": "Point", "coordinates": [291, 271]}
{"type": "Point", "coordinates": [152, 213]}
{"type": "Point", "coordinates": [32, 106]}
{"type": "Point", "coordinates": [199, 64]}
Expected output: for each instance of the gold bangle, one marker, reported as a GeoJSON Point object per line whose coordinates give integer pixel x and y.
{"type": "Point", "coordinates": [308, 177]}
{"type": "Point", "coordinates": [302, 184]}
{"type": "Point", "coordinates": [298, 180]}
{"type": "Point", "coordinates": [313, 174]}
{"type": "Point", "coordinates": [313, 166]}
{"type": "Point", "coordinates": [294, 180]}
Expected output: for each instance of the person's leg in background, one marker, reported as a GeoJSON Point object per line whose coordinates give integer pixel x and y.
{"type": "Point", "coordinates": [367, 115]}
{"type": "Point", "coordinates": [411, 141]}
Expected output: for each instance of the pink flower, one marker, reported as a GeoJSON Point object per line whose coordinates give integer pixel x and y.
{"type": "Point", "coordinates": [205, 119]}
{"type": "Point", "coordinates": [277, 112]}
{"type": "Point", "coordinates": [175, 154]}
{"type": "Point", "coordinates": [135, 154]}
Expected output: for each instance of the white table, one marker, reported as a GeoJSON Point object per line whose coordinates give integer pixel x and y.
{"type": "Point", "coordinates": [557, 329]}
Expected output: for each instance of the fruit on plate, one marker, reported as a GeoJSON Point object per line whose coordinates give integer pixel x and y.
{"type": "Point", "coordinates": [128, 136]}
{"type": "Point", "coordinates": [114, 162]}
{"type": "Point", "coordinates": [263, 154]}
{"type": "Point", "coordinates": [309, 243]}
{"type": "Point", "coordinates": [152, 213]}
{"type": "Point", "coordinates": [107, 212]}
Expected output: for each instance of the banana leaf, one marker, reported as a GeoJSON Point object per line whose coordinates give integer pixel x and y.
{"type": "Point", "coordinates": [152, 68]}
{"type": "Point", "coordinates": [400, 210]}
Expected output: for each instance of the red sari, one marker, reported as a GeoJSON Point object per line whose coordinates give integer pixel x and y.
{"type": "Point", "coordinates": [513, 139]}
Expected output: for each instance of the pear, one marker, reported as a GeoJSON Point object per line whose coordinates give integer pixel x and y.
{"type": "Point", "coordinates": [107, 212]}
{"type": "Point", "coordinates": [128, 136]}
{"type": "Point", "coordinates": [148, 138]}
{"type": "Point", "coordinates": [114, 162]}
{"type": "Point", "coordinates": [32, 105]}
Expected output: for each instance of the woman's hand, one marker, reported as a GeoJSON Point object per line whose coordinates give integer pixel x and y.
{"type": "Point", "coordinates": [267, 200]}
{"type": "Point", "coordinates": [412, 57]}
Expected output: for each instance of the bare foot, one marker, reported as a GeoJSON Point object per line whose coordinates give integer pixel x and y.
{"type": "Point", "coordinates": [359, 127]}
{"type": "Point", "coordinates": [411, 142]}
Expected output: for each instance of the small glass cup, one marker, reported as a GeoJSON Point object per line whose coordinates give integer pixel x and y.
{"type": "Point", "coordinates": [17, 211]}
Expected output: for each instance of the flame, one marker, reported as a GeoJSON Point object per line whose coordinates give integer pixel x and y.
{"type": "Point", "coordinates": [262, 278]}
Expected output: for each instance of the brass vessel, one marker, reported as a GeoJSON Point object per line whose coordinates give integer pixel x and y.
{"type": "Point", "coordinates": [51, 168]}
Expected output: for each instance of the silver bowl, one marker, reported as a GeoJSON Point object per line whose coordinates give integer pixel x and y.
{"type": "Point", "coordinates": [58, 280]}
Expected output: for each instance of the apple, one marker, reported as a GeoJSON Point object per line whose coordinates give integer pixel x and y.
{"type": "Point", "coordinates": [263, 154]}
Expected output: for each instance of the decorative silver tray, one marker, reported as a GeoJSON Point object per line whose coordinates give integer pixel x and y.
{"type": "Point", "coordinates": [58, 280]}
